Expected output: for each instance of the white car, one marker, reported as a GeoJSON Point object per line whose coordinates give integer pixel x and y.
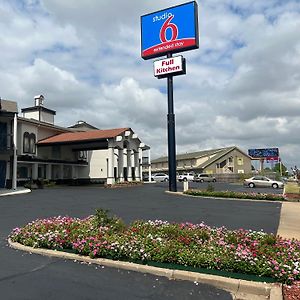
{"type": "Point", "coordinates": [186, 177]}
{"type": "Point", "coordinates": [262, 181]}
{"type": "Point", "coordinates": [160, 177]}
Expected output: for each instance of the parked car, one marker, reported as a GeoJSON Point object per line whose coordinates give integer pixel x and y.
{"type": "Point", "coordinates": [160, 177]}
{"type": "Point", "coordinates": [186, 177]}
{"type": "Point", "coordinates": [262, 181]}
{"type": "Point", "coordinates": [203, 177]}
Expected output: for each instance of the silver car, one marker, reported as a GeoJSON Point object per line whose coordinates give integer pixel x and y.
{"type": "Point", "coordinates": [160, 177]}
{"type": "Point", "coordinates": [203, 177]}
{"type": "Point", "coordinates": [262, 181]}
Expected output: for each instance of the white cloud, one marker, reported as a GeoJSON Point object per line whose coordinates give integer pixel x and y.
{"type": "Point", "coordinates": [241, 88]}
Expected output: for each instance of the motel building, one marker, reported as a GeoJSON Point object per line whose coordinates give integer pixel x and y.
{"type": "Point", "coordinates": [44, 150]}
{"type": "Point", "coordinates": [221, 162]}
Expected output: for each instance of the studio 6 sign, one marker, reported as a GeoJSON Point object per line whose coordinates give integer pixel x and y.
{"type": "Point", "coordinates": [171, 30]}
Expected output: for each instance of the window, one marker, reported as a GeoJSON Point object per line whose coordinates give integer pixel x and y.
{"type": "Point", "coordinates": [32, 143]}
{"type": "Point", "coordinates": [29, 141]}
{"type": "Point", "coordinates": [26, 142]}
{"type": "Point", "coordinates": [56, 153]}
{"type": "Point", "coordinates": [3, 136]}
{"type": "Point", "coordinates": [240, 161]}
{"type": "Point", "coordinates": [82, 155]}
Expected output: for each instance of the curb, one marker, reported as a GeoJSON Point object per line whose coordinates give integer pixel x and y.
{"type": "Point", "coordinates": [237, 287]}
{"type": "Point", "coordinates": [15, 192]}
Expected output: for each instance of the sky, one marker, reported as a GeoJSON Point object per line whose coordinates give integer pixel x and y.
{"type": "Point", "coordinates": [242, 85]}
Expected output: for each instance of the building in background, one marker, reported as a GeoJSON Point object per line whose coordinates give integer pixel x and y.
{"type": "Point", "coordinates": [229, 160]}
{"type": "Point", "coordinates": [83, 152]}
{"type": "Point", "coordinates": [8, 135]}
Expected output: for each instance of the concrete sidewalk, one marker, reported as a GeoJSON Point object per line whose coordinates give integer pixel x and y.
{"type": "Point", "coordinates": [289, 226]}
{"type": "Point", "coordinates": [18, 191]}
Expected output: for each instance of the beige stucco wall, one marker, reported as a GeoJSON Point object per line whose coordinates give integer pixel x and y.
{"type": "Point", "coordinates": [243, 167]}
{"type": "Point", "coordinates": [22, 128]}
{"type": "Point", "coordinates": [97, 165]}
{"type": "Point", "coordinates": [46, 117]}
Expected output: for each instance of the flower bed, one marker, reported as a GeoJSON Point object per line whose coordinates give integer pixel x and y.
{"type": "Point", "coordinates": [186, 244]}
{"type": "Point", "coordinates": [238, 195]}
{"type": "Point", "coordinates": [124, 184]}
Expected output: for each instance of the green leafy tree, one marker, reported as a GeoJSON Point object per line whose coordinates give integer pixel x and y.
{"type": "Point", "coordinates": [277, 168]}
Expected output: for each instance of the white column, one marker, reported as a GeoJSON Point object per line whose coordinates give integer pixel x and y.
{"type": "Point", "coordinates": [129, 165]}
{"type": "Point", "coordinates": [35, 168]}
{"type": "Point", "coordinates": [149, 169]}
{"type": "Point", "coordinates": [136, 165]}
{"type": "Point", "coordinates": [110, 166]}
{"type": "Point", "coordinates": [125, 161]}
{"type": "Point", "coordinates": [15, 158]}
{"type": "Point", "coordinates": [120, 165]}
{"type": "Point", "coordinates": [48, 171]}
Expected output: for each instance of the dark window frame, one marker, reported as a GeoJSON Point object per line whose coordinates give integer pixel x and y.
{"type": "Point", "coordinates": [29, 143]}
{"type": "Point", "coordinates": [32, 142]}
{"type": "Point", "coordinates": [26, 141]}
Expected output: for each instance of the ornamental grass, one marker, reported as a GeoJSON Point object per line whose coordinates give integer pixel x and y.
{"type": "Point", "coordinates": [193, 245]}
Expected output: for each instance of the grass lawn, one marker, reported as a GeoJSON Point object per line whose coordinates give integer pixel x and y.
{"type": "Point", "coordinates": [292, 187]}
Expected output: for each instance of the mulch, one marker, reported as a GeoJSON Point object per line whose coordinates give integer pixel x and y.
{"type": "Point", "coordinates": [292, 292]}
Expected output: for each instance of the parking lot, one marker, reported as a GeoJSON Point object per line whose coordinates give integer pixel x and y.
{"type": "Point", "coordinates": [25, 276]}
{"type": "Point", "coordinates": [223, 186]}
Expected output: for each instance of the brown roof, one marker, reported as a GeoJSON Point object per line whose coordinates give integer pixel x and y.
{"type": "Point", "coordinates": [70, 137]}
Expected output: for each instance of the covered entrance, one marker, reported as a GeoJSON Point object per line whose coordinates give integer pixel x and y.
{"type": "Point", "coordinates": [113, 155]}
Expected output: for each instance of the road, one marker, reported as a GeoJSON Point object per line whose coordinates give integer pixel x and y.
{"type": "Point", "coordinates": [25, 276]}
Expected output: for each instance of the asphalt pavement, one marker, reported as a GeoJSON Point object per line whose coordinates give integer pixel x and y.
{"type": "Point", "coordinates": [25, 276]}
{"type": "Point", "coordinates": [224, 186]}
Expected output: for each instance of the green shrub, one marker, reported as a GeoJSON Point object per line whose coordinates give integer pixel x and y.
{"type": "Point", "coordinates": [210, 188]}
{"type": "Point", "coordinates": [238, 195]}
{"type": "Point", "coordinates": [102, 219]}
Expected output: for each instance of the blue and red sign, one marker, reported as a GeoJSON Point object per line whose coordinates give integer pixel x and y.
{"type": "Point", "coordinates": [171, 30]}
{"type": "Point", "coordinates": [265, 153]}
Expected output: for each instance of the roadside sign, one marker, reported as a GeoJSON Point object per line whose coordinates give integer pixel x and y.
{"type": "Point", "coordinates": [169, 66]}
{"type": "Point", "coordinates": [265, 153]}
{"type": "Point", "coordinates": [170, 30]}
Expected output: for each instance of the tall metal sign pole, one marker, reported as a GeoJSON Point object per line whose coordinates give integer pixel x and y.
{"type": "Point", "coordinates": [165, 32]}
{"type": "Point", "coordinates": [171, 136]}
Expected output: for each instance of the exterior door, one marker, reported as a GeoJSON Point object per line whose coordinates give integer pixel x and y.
{"type": "Point", "coordinates": [2, 173]}
{"type": "Point", "coordinates": [115, 173]}
{"type": "Point", "coordinates": [125, 174]}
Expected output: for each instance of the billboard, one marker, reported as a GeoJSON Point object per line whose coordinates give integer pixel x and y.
{"type": "Point", "coordinates": [266, 153]}
{"type": "Point", "coordinates": [170, 30]}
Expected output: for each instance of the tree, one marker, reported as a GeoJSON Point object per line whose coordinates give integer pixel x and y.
{"type": "Point", "coordinates": [277, 168]}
